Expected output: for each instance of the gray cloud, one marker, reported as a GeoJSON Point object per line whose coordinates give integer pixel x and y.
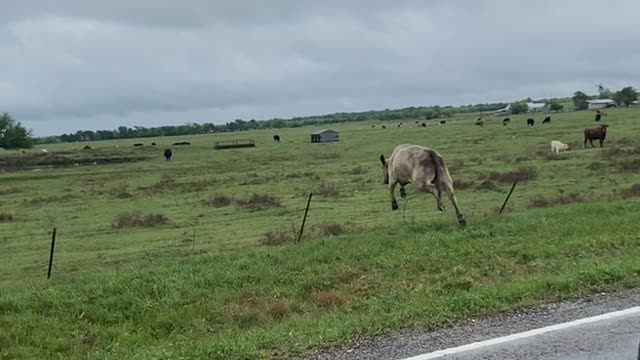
{"type": "Point", "coordinates": [73, 64]}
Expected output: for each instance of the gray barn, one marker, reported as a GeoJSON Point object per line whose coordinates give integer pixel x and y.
{"type": "Point", "coordinates": [324, 136]}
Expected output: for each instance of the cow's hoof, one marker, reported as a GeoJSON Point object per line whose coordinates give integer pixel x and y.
{"type": "Point", "coordinates": [394, 206]}
{"type": "Point", "coordinates": [403, 193]}
{"type": "Point", "coordinates": [462, 221]}
{"type": "Point", "coordinates": [442, 208]}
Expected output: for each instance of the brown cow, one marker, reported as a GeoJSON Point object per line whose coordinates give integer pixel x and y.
{"type": "Point", "coordinates": [597, 133]}
{"type": "Point", "coordinates": [424, 168]}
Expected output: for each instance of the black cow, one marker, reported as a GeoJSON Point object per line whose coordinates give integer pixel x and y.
{"type": "Point", "coordinates": [276, 138]}
{"type": "Point", "coordinates": [168, 154]}
{"type": "Point", "coordinates": [423, 125]}
{"type": "Point", "coordinates": [138, 144]}
{"type": "Point", "coordinates": [530, 122]}
{"type": "Point", "coordinates": [153, 144]}
{"type": "Point", "coordinates": [505, 121]}
{"type": "Point", "coordinates": [182, 143]}
{"type": "Point", "coordinates": [598, 115]}
{"type": "Point", "coordinates": [546, 120]}
{"type": "Point", "coordinates": [384, 127]}
{"type": "Point", "coordinates": [443, 121]}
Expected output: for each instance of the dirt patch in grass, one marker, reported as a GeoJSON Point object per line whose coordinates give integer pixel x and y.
{"type": "Point", "coordinates": [137, 219]}
{"type": "Point", "coordinates": [523, 174]}
{"type": "Point", "coordinates": [540, 201]}
{"type": "Point", "coordinates": [616, 152]}
{"type": "Point", "coordinates": [5, 217]}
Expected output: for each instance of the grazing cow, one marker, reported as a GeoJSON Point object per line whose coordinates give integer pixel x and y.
{"type": "Point", "coordinates": [384, 127]}
{"type": "Point", "coordinates": [546, 120]}
{"type": "Point", "coordinates": [557, 146]}
{"type": "Point", "coordinates": [276, 138]}
{"type": "Point", "coordinates": [153, 144]}
{"type": "Point", "coordinates": [443, 121]}
{"type": "Point", "coordinates": [87, 147]}
{"type": "Point", "coordinates": [423, 125]}
{"type": "Point", "coordinates": [399, 124]}
{"type": "Point", "coordinates": [530, 122]}
{"type": "Point", "coordinates": [138, 144]}
{"type": "Point", "coordinates": [182, 143]}
{"type": "Point", "coordinates": [480, 123]}
{"type": "Point", "coordinates": [373, 126]}
{"type": "Point", "coordinates": [167, 154]}
{"type": "Point", "coordinates": [424, 168]}
{"type": "Point", "coordinates": [597, 133]}
{"type": "Point", "coordinates": [598, 115]}
{"type": "Point", "coordinates": [505, 121]}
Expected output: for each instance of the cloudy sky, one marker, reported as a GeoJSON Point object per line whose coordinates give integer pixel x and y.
{"type": "Point", "coordinates": [93, 64]}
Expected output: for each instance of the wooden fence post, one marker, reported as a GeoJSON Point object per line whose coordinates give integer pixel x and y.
{"type": "Point", "coordinates": [53, 244]}
{"type": "Point", "coordinates": [304, 219]}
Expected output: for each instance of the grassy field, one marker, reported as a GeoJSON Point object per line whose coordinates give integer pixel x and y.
{"type": "Point", "coordinates": [194, 258]}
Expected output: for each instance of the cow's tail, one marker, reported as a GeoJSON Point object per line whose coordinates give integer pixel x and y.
{"type": "Point", "coordinates": [439, 166]}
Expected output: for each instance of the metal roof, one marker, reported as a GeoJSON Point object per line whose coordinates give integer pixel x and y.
{"type": "Point", "coordinates": [323, 131]}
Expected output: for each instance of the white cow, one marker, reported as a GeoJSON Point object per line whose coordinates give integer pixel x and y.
{"type": "Point", "coordinates": [557, 146]}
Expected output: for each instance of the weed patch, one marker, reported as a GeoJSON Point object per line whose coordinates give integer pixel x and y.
{"type": "Point", "coordinates": [258, 201]}
{"type": "Point", "coordinates": [137, 219]}
{"type": "Point", "coordinates": [459, 184]}
{"type": "Point", "coordinates": [278, 237]}
{"type": "Point", "coordinates": [5, 217]}
{"type": "Point", "coordinates": [633, 191]}
{"type": "Point", "coordinates": [523, 174]}
{"type": "Point", "coordinates": [489, 185]}
{"type": "Point", "coordinates": [218, 201]}
{"type": "Point", "coordinates": [328, 190]}
{"type": "Point", "coordinates": [540, 201]}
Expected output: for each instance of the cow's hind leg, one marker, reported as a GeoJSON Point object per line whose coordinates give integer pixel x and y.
{"type": "Point", "coordinates": [392, 190]}
{"type": "Point", "coordinates": [403, 192]}
{"type": "Point", "coordinates": [452, 197]}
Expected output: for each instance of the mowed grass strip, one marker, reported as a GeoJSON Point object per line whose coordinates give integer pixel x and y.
{"type": "Point", "coordinates": [283, 300]}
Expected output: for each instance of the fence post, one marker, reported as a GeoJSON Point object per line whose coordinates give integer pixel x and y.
{"type": "Point", "coordinates": [508, 196]}
{"type": "Point", "coordinates": [53, 244]}
{"type": "Point", "coordinates": [304, 219]}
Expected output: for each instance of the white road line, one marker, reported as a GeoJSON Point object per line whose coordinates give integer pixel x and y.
{"type": "Point", "coordinates": [525, 334]}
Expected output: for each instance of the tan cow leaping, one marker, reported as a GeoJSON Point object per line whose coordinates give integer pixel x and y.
{"type": "Point", "coordinates": [422, 167]}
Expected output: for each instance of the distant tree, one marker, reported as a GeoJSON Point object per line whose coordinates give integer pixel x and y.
{"type": "Point", "coordinates": [626, 96]}
{"type": "Point", "coordinates": [519, 107]}
{"type": "Point", "coordinates": [579, 99]}
{"type": "Point", "coordinates": [13, 135]}
{"type": "Point", "coordinates": [556, 106]}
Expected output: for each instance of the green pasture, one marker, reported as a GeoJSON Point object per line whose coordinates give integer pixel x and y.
{"type": "Point", "coordinates": [195, 258]}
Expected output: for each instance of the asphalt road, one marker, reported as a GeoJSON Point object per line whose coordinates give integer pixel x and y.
{"type": "Point", "coordinates": [611, 339]}
{"type": "Point", "coordinates": [615, 338]}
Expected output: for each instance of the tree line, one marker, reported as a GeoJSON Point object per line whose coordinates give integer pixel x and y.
{"type": "Point", "coordinates": [124, 132]}
{"type": "Point", "coordinates": [14, 136]}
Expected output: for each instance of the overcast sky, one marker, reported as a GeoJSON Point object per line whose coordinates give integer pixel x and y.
{"type": "Point", "coordinates": [67, 65]}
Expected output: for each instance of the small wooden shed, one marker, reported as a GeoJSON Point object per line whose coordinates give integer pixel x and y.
{"type": "Point", "coordinates": [325, 135]}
